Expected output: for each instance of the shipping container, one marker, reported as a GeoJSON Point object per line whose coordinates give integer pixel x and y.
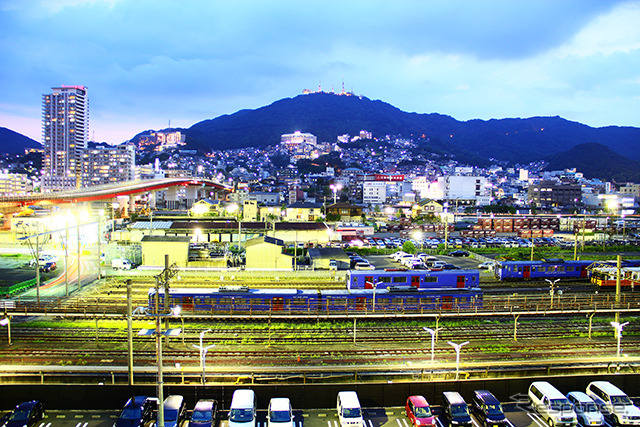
{"type": "Point", "coordinates": [524, 234]}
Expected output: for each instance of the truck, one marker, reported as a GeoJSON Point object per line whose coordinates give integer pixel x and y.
{"type": "Point", "coordinates": [121, 264]}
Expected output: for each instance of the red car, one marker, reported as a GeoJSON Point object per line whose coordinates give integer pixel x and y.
{"type": "Point", "coordinates": [419, 412]}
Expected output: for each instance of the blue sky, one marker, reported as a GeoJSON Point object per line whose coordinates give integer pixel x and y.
{"type": "Point", "coordinates": [146, 62]}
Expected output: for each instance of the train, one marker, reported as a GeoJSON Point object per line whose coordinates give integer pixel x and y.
{"type": "Point", "coordinates": [545, 269]}
{"type": "Point", "coordinates": [605, 276]}
{"type": "Point", "coordinates": [226, 299]}
{"type": "Point", "coordinates": [421, 279]}
{"type": "Point", "coordinates": [552, 268]}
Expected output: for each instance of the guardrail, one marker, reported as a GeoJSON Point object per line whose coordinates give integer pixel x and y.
{"type": "Point", "coordinates": [491, 306]}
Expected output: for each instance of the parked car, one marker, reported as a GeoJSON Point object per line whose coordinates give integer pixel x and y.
{"type": "Point", "coordinates": [26, 414]}
{"type": "Point", "coordinates": [450, 267]}
{"type": "Point", "coordinates": [586, 409]}
{"type": "Point", "coordinates": [487, 265]}
{"type": "Point", "coordinates": [488, 409]}
{"type": "Point", "coordinates": [137, 412]}
{"type": "Point", "coordinates": [455, 410]}
{"type": "Point", "coordinates": [279, 412]}
{"type": "Point", "coordinates": [364, 265]}
{"type": "Point", "coordinates": [458, 253]}
{"type": "Point", "coordinates": [618, 406]}
{"type": "Point", "coordinates": [43, 259]}
{"type": "Point", "coordinates": [48, 267]}
{"type": "Point", "coordinates": [418, 411]}
{"type": "Point", "coordinates": [204, 413]}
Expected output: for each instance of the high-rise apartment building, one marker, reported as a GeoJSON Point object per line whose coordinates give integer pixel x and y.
{"type": "Point", "coordinates": [106, 165]}
{"type": "Point", "coordinates": [65, 132]}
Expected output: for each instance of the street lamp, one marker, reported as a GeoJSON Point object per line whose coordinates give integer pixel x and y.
{"type": "Point", "coordinates": [618, 327]}
{"type": "Point", "coordinates": [375, 286]}
{"type": "Point", "coordinates": [335, 188]}
{"type": "Point", "coordinates": [6, 321]}
{"type": "Point", "coordinates": [457, 347]}
{"type": "Point", "coordinates": [203, 353]}
{"type": "Point", "coordinates": [552, 284]}
{"type": "Point", "coordinates": [433, 339]}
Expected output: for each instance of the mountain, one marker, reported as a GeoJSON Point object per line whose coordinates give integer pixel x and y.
{"type": "Point", "coordinates": [327, 116]}
{"type": "Point", "coordinates": [596, 161]}
{"type": "Point", "coordinates": [15, 143]}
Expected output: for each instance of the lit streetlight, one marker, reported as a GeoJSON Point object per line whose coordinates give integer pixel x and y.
{"type": "Point", "coordinates": [552, 284]}
{"type": "Point", "coordinates": [6, 321]}
{"type": "Point", "coordinates": [433, 340]}
{"type": "Point", "coordinates": [203, 353]}
{"type": "Point", "coordinates": [618, 327]}
{"type": "Point", "coordinates": [335, 188]}
{"type": "Point", "coordinates": [457, 347]}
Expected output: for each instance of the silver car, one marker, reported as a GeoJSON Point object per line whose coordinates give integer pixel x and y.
{"type": "Point", "coordinates": [586, 409]}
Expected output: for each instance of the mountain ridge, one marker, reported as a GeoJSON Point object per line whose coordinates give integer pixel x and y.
{"type": "Point", "coordinates": [12, 142]}
{"type": "Point", "coordinates": [328, 115]}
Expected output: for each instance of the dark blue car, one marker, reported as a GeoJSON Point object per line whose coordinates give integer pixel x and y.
{"type": "Point", "coordinates": [26, 414]}
{"type": "Point", "coordinates": [204, 414]}
{"type": "Point", "coordinates": [137, 412]}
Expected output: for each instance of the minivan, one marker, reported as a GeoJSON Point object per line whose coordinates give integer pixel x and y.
{"type": "Point", "coordinates": [455, 409]}
{"type": "Point", "coordinates": [488, 409]}
{"type": "Point", "coordinates": [552, 405]}
{"type": "Point", "coordinates": [349, 410]}
{"type": "Point", "coordinates": [175, 410]}
{"type": "Point", "coordinates": [586, 409]}
{"type": "Point", "coordinates": [620, 408]}
{"type": "Point", "coordinates": [243, 409]}
{"type": "Point", "coordinates": [279, 413]}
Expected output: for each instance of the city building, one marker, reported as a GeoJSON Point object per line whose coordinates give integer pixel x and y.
{"type": "Point", "coordinates": [631, 190]}
{"type": "Point", "coordinates": [14, 184]}
{"type": "Point", "coordinates": [265, 198]}
{"type": "Point", "coordinates": [467, 189]}
{"type": "Point", "coordinates": [65, 131]}
{"type": "Point", "coordinates": [106, 165]}
{"type": "Point", "coordinates": [374, 192]}
{"type": "Point", "coordinates": [555, 193]}
{"type": "Point", "coordinates": [299, 145]}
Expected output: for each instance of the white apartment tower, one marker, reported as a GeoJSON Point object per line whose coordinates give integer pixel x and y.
{"type": "Point", "coordinates": [65, 132]}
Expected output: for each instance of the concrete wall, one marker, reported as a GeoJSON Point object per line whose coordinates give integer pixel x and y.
{"type": "Point", "coordinates": [372, 395]}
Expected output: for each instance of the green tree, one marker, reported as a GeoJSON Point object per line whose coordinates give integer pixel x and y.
{"type": "Point", "coordinates": [409, 247]}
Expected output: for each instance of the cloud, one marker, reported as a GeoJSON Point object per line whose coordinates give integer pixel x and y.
{"type": "Point", "coordinates": [145, 61]}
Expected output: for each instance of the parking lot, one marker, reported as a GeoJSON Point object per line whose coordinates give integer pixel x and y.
{"type": "Point", "coordinates": [517, 416]}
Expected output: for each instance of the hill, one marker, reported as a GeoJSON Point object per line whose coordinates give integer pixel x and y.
{"type": "Point", "coordinates": [328, 115]}
{"type": "Point", "coordinates": [596, 161]}
{"type": "Point", "coordinates": [15, 143]}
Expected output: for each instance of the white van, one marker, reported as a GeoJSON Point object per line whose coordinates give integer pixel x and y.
{"type": "Point", "coordinates": [243, 409]}
{"type": "Point", "coordinates": [349, 410]}
{"type": "Point", "coordinates": [620, 408]}
{"type": "Point", "coordinates": [279, 413]}
{"type": "Point", "coordinates": [121, 264]}
{"type": "Point", "coordinates": [552, 405]}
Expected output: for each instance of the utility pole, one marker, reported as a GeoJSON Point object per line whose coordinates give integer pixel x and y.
{"type": "Point", "coordinates": [129, 333]}
{"type": "Point", "coordinates": [618, 268]}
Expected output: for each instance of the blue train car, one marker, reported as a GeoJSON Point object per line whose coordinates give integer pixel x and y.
{"type": "Point", "coordinates": [238, 298]}
{"type": "Point", "coordinates": [546, 269]}
{"type": "Point", "coordinates": [421, 279]}
{"type": "Point", "coordinates": [400, 298]}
